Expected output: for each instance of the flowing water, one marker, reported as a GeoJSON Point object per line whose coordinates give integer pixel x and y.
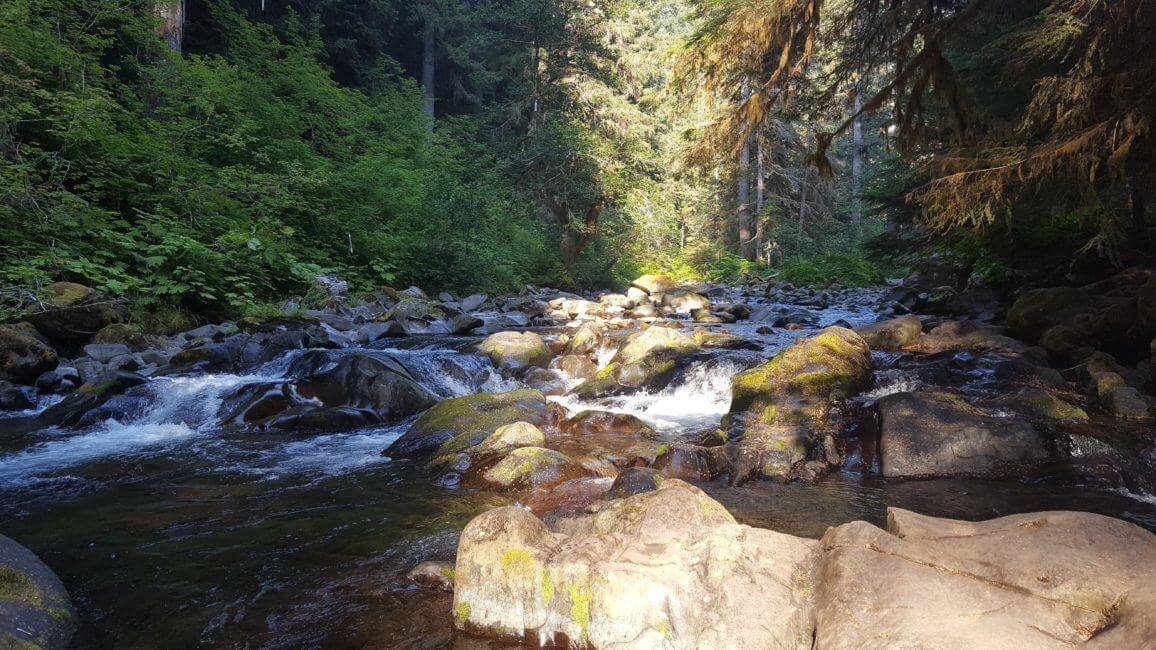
{"type": "Point", "coordinates": [171, 532]}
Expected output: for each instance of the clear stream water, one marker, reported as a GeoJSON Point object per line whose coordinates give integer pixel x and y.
{"type": "Point", "coordinates": [171, 532]}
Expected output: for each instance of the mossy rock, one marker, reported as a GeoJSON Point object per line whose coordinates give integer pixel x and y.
{"type": "Point", "coordinates": [535, 467]}
{"type": "Point", "coordinates": [35, 611]}
{"type": "Point", "coordinates": [509, 437]}
{"type": "Point", "coordinates": [456, 424]}
{"type": "Point", "coordinates": [511, 350]}
{"type": "Point", "coordinates": [22, 357]}
{"type": "Point", "coordinates": [1041, 404]}
{"type": "Point", "coordinates": [69, 314]}
{"type": "Point", "coordinates": [647, 359]}
{"type": "Point", "coordinates": [123, 333]}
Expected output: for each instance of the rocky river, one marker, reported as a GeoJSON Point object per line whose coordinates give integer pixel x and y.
{"type": "Point", "coordinates": [274, 482]}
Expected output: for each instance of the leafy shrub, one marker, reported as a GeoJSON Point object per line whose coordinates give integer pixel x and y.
{"type": "Point", "coordinates": [832, 268]}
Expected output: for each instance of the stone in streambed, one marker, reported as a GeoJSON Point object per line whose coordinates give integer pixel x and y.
{"type": "Point", "coordinates": [587, 339]}
{"type": "Point", "coordinates": [594, 421]}
{"type": "Point", "coordinates": [35, 611]}
{"type": "Point", "coordinates": [892, 334]}
{"type": "Point", "coordinates": [514, 350]}
{"type": "Point", "coordinates": [968, 335]}
{"type": "Point", "coordinates": [1037, 310]}
{"type": "Point", "coordinates": [940, 434]}
{"type": "Point", "coordinates": [779, 409]}
{"type": "Point", "coordinates": [685, 302]}
{"type": "Point", "coordinates": [1041, 580]}
{"type": "Point", "coordinates": [619, 577]}
{"type": "Point", "coordinates": [647, 359]}
{"type": "Point", "coordinates": [532, 467]}
{"type": "Point", "coordinates": [654, 285]}
{"type": "Point", "coordinates": [635, 480]}
{"type": "Point", "coordinates": [453, 425]}
{"type": "Point", "coordinates": [433, 575]}
{"type": "Point", "coordinates": [13, 398]}
{"type": "Point", "coordinates": [1041, 404]}
{"type": "Point", "coordinates": [578, 367]}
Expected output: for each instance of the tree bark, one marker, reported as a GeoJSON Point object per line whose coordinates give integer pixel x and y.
{"type": "Point", "coordinates": [857, 157]}
{"type": "Point", "coordinates": [760, 197]}
{"type": "Point", "coordinates": [428, 70]}
{"type": "Point", "coordinates": [172, 22]}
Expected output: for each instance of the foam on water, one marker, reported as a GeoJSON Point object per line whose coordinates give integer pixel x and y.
{"type": "Point", "coordinates": [327, 455]}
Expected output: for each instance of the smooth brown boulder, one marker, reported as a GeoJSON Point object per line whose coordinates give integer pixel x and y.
{"type": "Point", "coordinates": [892, 334]}
{"type": "Point", "coordinates": [22, 357]}
{"type": "Point", "coordinates": [1041, 580]}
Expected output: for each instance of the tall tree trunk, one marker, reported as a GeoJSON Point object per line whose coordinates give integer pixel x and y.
{"type": "Point", "coordinates": [172, 22]}
{"type": "Point", "coordinates": [760, 197]}
{"type": "Point", "coordinates": [802, 199]}
{"type": "Point", "coordinates": [428, 70]}
{"type": "Point", "coordinates": [744, 201]}
{"type": "Point", "coordinates": [857, 157]}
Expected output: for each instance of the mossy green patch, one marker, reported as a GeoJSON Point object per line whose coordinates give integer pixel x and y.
{"type": "Point", "coordinates": [547, 584]}
{"type": "Point", "coordinates": [448, 573]}
{"type": "Point", "coordinates": [580, 607]}
{"type": "Point", "coordinates": [17, 586]}
{"type": "Point", "coordinates": [461, 613]}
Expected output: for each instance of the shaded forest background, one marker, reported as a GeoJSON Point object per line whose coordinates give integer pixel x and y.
{"type": "Point", "coordinates": [203, 157]}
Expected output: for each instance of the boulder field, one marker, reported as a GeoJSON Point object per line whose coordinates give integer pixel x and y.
{"type": "Point", "coordinates": [670, 568]}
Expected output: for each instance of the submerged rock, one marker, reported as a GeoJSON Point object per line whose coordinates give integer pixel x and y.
{"type": "Point", "coordinates": [780, 409]}
{"type": "Point", "coordinates": [940, 434]}
{"type": "Point", "coordinates": [35, 611]}
{"type": "Point", "coordinates": [453, 425]}
{"type": "Point", "coordinates": [619, 577]}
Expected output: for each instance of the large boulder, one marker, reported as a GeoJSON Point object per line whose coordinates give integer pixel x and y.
{"type": "Point", "coordinates": [685, 302]}
{"type": "Point", "coordinates": [655, 285]}
{"type": "Point", "coordinates": [35, 611]}
{"type": "Point", "coordinates": [1041, 580]}
{"type": "Point", "coordinates": [456, 424]}
{"type": "Point", "coordinates": [619, 577]}
{"type": "Point", "coordinates": [587, 338]}
{"type": "Point", "coordinates": [22, 357]}
{"type": "Point", "coordinates": [357, 390]}
{"type": "Point", "coordinates": [892, 334]}
{"type": "Point", "coordinates": [647, 359]}
{"type": "Point", "coordinates": [1039, 309]}
{"type": "Point", "coordinates": [781, 409]}
{"type": "Point", "coordinates": [70, 313]}
{"type": "Point", "coordinates": [968, 335]}
{"type": "Point", "coordinates": [940, 434]}
{"type": "Point", "coordinates": [71, 411]}
{"type": "Point", "coordinates": [532, 467]}
{"type": "Point", "coordinates": [513, 350]}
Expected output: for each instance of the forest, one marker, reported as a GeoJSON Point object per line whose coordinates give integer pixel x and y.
{"type": "Point", "coordinates": [577, 323]}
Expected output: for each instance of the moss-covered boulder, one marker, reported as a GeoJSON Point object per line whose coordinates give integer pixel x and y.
{"type": "Point", "coordinates": [587, 338]}
{"type": "Point", "coordinates": [70, 313]}
{"type": "Point", "coordinates": [593, 421]}
{"type": "Point", "coordinates": [780, 409]}
{"type": "Point", "coordinates": [891, 334]}
{"type": "Point", "coordinates": [70, 411]}
{"type": "Point", "coordinates": [532, 467]}
{"type": "Point", "coordinates": [124, 334]}
{"type": "Point", "coordinates": [35, 611]}
{"type": "Point", "coordinates": [1040, 404]}
{"type": "Point", "coordinates": [456, 424]}
{"type": "Point", "coordinates": [514, 350]}
{"type": "Point", "coordinates": [621, 577]}
{"type": "Point", "coordinates": [22, 357]}
{"type": "Point", "coordinates": [647, 359]}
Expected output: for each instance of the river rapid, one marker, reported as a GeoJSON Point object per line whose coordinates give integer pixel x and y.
{"type": "Point", "coordinates": [170, 531]}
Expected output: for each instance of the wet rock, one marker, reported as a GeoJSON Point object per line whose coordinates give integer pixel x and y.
{"type": "Point", "coordinates": [692, 462]}
{"type": "Point", "coordinates": [593, 582]}
{"type": "Point", "coordinates": [106, 352]}
{"type": "Point", "coordinates": [70, 313]}
{"type": "Point", "coordinates": [635, 480]}
{"type": "Point", "coordinates": [572, 496]}
{"type": "Point", "coordinates": [782, 316]}
{"type": "Point", "coordinates": [23, 358]}
{"type": "Point", "coordinates": [358, 390]}
{"type": "Point", "coordinates": [122, 408]}
{"type": "Point", "coordinates": [647, 359]}
{"type": "Point", "coordinates": [433, 575]}
{"type": "Point", "coordinates": [13, 398]}
{"type": "Point", "coordinates": [456, 424]}
{"type": "Point", "coordinates": [645, 310]}
{"type": "Point", "coordinates": [532, 467]}
{"type": "Point", "coordinates": [892, 334]}
{"type": "Point", "coordinates": [1041, 404]}
{"type": "Point", "coordinates": [69, 411]}
{"type": "Point", "coordinates": [940, 434]}
{"type": "Point", "coordinates": [514, 350]}
{"type": "Point", "coordinates": [35, 611]}
{"type": "Point", "coordinates": [1125, 402]}
{"type": "Point", "coordinates": [587, 339]}
{"type": "Point", "coordinates": [231, 354]}
{"type": "Point", "coordinates": [125, 334]}
{"type": "Point", "coordinates": [782, 407]}
{"type": "Point", "coordinates": [508, 437]}
{"type": "Point", "coordinates": [592, 421]}
{"type": "Point", "coordinates": [577, 367]}
{"type": "Point", "coordinates": [722, 340]}
{"type": "Point", "coordinates": [655, 285]}
{"type": "Point", "coordinates": [463, 324]}
{"type": "Point", "coordinates": [968, 335]}
{"type": "Point", "coordinates": [371, 332]}
{"type": "Point", "coordinates": [474, 302]}
{"type": "Point", "coordinates": [1041, 580]}
{"type": "Point", "coordinates": [706, 316]}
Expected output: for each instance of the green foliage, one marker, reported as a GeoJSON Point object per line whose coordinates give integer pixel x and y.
{"type": "Point", "coordinates": [832, 268]}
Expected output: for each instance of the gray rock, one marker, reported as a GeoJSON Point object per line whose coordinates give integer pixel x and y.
{"type": "Point", "coordinates": [13, 398]}
{"type": "Point", "coordinates": [474, 302]}
{"type": "Point", "coordinates": [371, 332]}
{"type": "Point", "coordinates": [35, 611]}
